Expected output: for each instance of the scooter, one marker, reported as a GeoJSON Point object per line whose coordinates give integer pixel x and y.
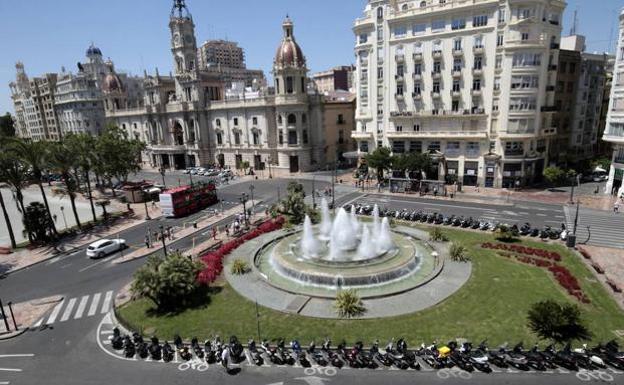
{"type": "Point", "coordinates": [255, 354]}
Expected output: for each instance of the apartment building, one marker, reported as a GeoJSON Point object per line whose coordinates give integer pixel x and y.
{"type": "Point", "coordinates": [335, 79]}
{"type": "Point", "coordinates": [227, 60]}
{"type": "Point", "coordinates": [471, 82]}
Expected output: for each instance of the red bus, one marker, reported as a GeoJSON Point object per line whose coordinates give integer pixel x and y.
{"type": "Point", "coordinates": [185, 200]}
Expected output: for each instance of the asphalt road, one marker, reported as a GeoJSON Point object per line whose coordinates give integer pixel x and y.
{"type": "Point", "coordinates": [70, 347]}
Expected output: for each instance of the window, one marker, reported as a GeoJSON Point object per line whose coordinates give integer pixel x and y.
{"type": "Point", "coordinates": [292, 119]}
{"type": "Point", "coordinates": [572, 68]}
{"type": "Point", "coordinates": [458, 24]}
{"type": "Point", "coordinates": [289, 85]}
{"type": "Point", "coordinates": [380, 72]}
{"type": "Point", "coordinates": [304, 134]}
{"type": "Point", "coordinates": [524, 82]}
{"type": "Point", "coordinates": [522, 104]}
{"type": "Point", "coordinates": [455, 105]}
{"type": "Point", "coordinates": [436, 87]}
{"type": "Point", "coordinates": [235, 121]}
{"type": "Point", "coordinates": [480, 21]}
{"type": "Point", "coordinates": [363, 146]}
{"type": "Point", "coordinates": [416, 127]}
{"type": "Point", "coordinates": [237, 138]}
{"type": "Point", "coordinates": [380, 36]}
{"type": "Point", "coordinates": [254, 120]}
{"type": "Point", "coordinates": [380, 109]}
{"type": "Point", "coordinates": [452, 146]}
{"type": "Point", "coordinates": [400, 31]}
{"type": "Point", "coordinates": [500, 40]}
{"type": "Point", "coordinates": [433, 146]}
{"type": "Point", "coordinates": [476, 84]}
{"type": "Point", "coordinates": [524, 13]}
{"type": "Point", "coordinates": [417, 69]}
{"type": "Point", "coordinates": [341, 119]}
{"type": "Point", "coordinates": [457, 65]}
{"type": "Point", "coordinates": [219, 138]}
{"type": "Point", "coordinates": [292, 137]}
{"type": "Point", "coordinates": [436, 67]}
{"type": "Point", "coordinates": [525, 59]}
{"type": "Point", "coordinates": [279, 119]}
{"type": "Point", "coordinates": [497, 83]}
{"type": "Point", "coordinates": [438, 25]}
{"type": "Point", "coordinates": [417, 88]}
{"type": "Point", "coordinates": [218, 122]}
{"type": "Point", "coordinates": [457, 44]}
{"type": "Point", "coordinates": [501, 15]}
{"type": "Point", "coordinates": [398, 146]}
{"type": "Point", "coordinates": [437, 46]}
{"type": "Point", "coordinates": [280, 137]}
{"type": "Point", "coordinates": [380, 13]}
{"type": "Point", "coordinates": [478, 62]}
{"type": "Point", "coordinates": [398, 128]}
{"type": "Point", "coordinates": [304, 118]}
{"type": "Point", "coordinates": [419, 29]}
{"type": "Point", "coordinates": [478, 41]}
{"type": "Point", "coordinates": [472, 147]}
{"type": "Point", "coordinates": [400, 70]}
{"type": "Point", "coordinates": [456, 86]}
{"type": "Point", "coordinates": [415, 146]}
{"type": "Point", "coordinates": [524, 36]}
{"type": "Point", "coordinates": [499, 62]}
{"type": "Point", "coordinates": [399, 89]}
{"type": "Point", "coordinates": [363, 38]}
{"type": "Point", "coordinates": [256, 138]}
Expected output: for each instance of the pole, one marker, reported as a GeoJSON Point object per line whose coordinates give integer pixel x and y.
{"type": "Point", "coordinates": [63, 213]}
{"type": "Point", "coordinates": [162, 237]}
{"type": "Point", "coordinates": [313, 193]}
{"type": "Point", "coordinates": [147, 217]}
{"type": "Point", "coordinates": [162, 173]}
{"type": "Point", "coordinates": [12, 315]}
{"type": "Point", "coordinates": [6, 323]}
{"type": "Point", "coordinates": [258, 320]}
{"type": "Point", "coordinates": [333, 189]}
{"type": "Point", "coordinates": [191, 178]}
{"type": "Point", "coordinates": [572, 194]}
{"type": "Point", "coordinates": [253, 205]}
{"type": "Point", "coordinates": [576, 216]}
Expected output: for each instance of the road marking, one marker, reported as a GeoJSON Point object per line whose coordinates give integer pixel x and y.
{"type": "Point", "coordinates": [94, 304]}
{"type": "Point", "coordinates": [105, 259]}
{"type": "Point", "coordinates": [68, 309]}
{"type": "Point", "coordinates": [81, 307]}
{"type": "Point", "coordinates": [55, 312]}
{"type": "Point", "coordinates": [38, 323]}
{"type": "Point", "coordinates": [4, 382]}
{"type": "Point", "coordinates": [106, 332]}
{"type": "Point", "coordinates": [107, 301]}
{"type": "Point", "coordinates": [10, 370]}
{"type": "Point", "coordinates": [16, 355]}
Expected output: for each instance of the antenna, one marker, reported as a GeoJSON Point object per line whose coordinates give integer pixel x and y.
{"type": "Point", "coordinates": [575, 23]}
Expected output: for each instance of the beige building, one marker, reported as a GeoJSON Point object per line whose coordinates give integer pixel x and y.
{"type": "Point", "coordinates": [468, 81]}
{"type": "Point", "coordinates": [335, 79]}
{"type": "Point", "coordinates": [338, 122]}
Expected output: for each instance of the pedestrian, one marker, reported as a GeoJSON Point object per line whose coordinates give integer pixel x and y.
{"type": "Point", "coordinates": [616, 207]}
{"type": "Point", "coordinates": [477, 187]}
{"type": "Point", "coordinates": [227, 231]}
{"type": "Point", "coordinates": [225, 357]}
{"type": "Point", "coordinates": [147, 243]}
{"type": "Point", "coordinates": [435, 191]}
{"type": "Point", "coordinates": [214, 233]}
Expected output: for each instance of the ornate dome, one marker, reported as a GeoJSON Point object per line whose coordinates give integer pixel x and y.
{"type": "Point", "coordinates": [112, 82]}
{"type": "Point", "coordinates": [289, 53]}
{"type": "Point", "coordinates": [93, 50]}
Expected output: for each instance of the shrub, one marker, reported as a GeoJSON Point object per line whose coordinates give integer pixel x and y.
{"type": "Point", "coordinates": [239, 267]}
{"type": "Point", "coordinates": [458, 253]}
{"type": "Point", "coordinates": [436, 235]}
{"type": "Point", "coordinates": [167, 281]}
{"type": "Point", "coordinates": [558, 322]}
{"type": "Point", "coordinates": [505, 234]}
{"type": "Point", "coordinates": [348, 304]}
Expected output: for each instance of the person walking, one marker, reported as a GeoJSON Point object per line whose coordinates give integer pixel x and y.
{"type": "Point", "coordinates": [147, 243]}
{"type": "Point", "coordinates": [225, 357]}
{"type": "Point", "coordinates": [214, 233]}
{"type": "Point", "coordinates": [616, 207]}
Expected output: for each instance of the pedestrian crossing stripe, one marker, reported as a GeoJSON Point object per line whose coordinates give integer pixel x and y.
{"type": "Point", "coordinates": [69, 306]}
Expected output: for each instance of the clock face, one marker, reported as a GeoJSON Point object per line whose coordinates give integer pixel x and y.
{"type": "Point", "coordinates": [176, 38]}
{"type": "Point", "coordinates": [188, 38]}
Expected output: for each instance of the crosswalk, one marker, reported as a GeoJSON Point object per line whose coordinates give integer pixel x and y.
{"type": "Point", "coordinates": [63, 311]}
{"type": "Point", "coordinates": [605, 227]}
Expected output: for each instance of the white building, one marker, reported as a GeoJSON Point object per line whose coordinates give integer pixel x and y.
{"type": "Point", "coordinates": [469, 81]}
{"type": "Point", "coordinates": [614, 131]}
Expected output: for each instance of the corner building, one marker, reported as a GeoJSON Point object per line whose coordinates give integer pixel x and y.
{"type": "Point", "coordinates": [471, 82]}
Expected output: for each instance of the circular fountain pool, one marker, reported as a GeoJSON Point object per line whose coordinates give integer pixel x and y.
{"type": "Point", "coordinates": [346, 253]}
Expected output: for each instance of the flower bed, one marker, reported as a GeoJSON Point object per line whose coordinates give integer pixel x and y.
{"type": "Point", "coordinates": [214, 259]}
{"type": "Point", "coordinates": [552, 255]}
{"type": "Point", "coordinates": [547, 260]}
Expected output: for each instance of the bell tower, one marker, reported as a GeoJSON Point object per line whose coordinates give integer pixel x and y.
{"type": "Point", "coordinates": [184, 51]}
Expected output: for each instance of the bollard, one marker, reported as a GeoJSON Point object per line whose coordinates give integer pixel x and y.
{"type": "Point", "coordinates": [6, 323]}
{"type": "Point", "coordinates": [12, 315]}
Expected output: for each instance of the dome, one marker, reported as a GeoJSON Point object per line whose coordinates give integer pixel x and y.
{"type": "Point", "coordinates": [289, 53]}
{"type": "Point", "coordinates": [93, 50]}
{"type": "Point", "coordinates": [112, 83]}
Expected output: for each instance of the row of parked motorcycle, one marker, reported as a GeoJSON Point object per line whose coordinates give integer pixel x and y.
{"type": "Point", "coordinates": [526, 229]}
{"type": "Point", "coordinates": [461, 355]}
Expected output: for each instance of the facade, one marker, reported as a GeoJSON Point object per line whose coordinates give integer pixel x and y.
{"type": "Point", "coordinates": [580, 89]}
{"type": "Point", "coordinates": [226, 60]}
{"type": "Point", "coordinates": [335, 79]}
{"type": "Point", "coordinates": [33, 100]}
{"type": "Point", "coordinates": [614, 131]}
{"type": "Point", "coordinates": [470, 82]}
{"type": "Point", "coordinates": [338, 123]}
{"type": "Point", "coordinates": [198, 117]}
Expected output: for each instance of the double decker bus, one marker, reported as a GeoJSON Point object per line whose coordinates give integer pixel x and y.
{"type": "Point", "coordinates": [185, 200]}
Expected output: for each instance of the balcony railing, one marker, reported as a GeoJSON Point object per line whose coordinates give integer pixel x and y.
{"type": "Point", "coordinates": [549, 109]}
{"type": "Point", "coordinates": [436, 74]}
{"type": "Point", "coordinates": [437, 54]}
{"type": "Point", "coordinates": [514, 152]}
{"type": "Point", "coordinates": [399, 58]}
{"type": "Point", "coordinates": [477, 71]}
{"type": "Point", "coordinates": [416, 95]}
{"type": "Point", "coordinates": [417, 56]}
{"type": "Point", "coordinates": [458, 52]}
{"type": "Point", "coordinates": [478, 49]}
{"type": "Point", "coordinates": [417, 77]}
{"type": "Point", "coordinates": [456, 73]}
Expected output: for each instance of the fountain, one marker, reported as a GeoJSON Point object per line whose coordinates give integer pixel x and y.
{"type": "Point", "coordinates": [309, 245]}
{"type": "Point", "coordinates": [326, 222]}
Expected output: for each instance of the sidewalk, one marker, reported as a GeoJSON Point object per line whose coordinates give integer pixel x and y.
{"type": "Point", "coordinates": [27, 313]}
{"type": "Point", "coordinates": [611, 262]}
{"type": "Point", "coordinates": [201, 226]}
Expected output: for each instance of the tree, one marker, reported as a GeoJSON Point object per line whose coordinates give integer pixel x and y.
{"type": "Point", "coordinates": [82, 145]}
{"type": "Point", "coordinates": [7, 220]}
{"type": "Point", "coordinates": [103, 204]}
{"type": "Point", "coordinates": [169, 282]}
{"type": "Point", "coordinates": [116, 155]}
{"type": "Point", "coordinates": [35, 155]}
{"type": "Point", "coordinates": [380, 160]}
{"type": "Point", "coordinates": [412, 163]}
{"type": "Point", "coordinates": [557, 176]}
{"type": "Point", "coordinates": [505, 234]}
{"type": "Point", "coordinates": [7, 125]}
{"type": "Point", "coordinates": [558, 322]}
{"type": "Point", "coordinates": [14, 172]}
{"type": "Point", "coordinates": [294, 204]}
{"type": "Point", "coordinates": [349, 304]}
{"type": "Point", "coordinates": [38, 224]}
{"type": "Point", "coordinates": [63, 161]}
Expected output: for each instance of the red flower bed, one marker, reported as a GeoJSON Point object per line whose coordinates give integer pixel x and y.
{"type": "Point", "coordinates": [552, 255]}
{"type": "Point", "coordinates": [214, 259]}
{"type": "Point", "coordinates": [584, 253]}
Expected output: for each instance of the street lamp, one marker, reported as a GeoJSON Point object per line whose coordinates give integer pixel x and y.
{"type": "Point", "coordinates": [270, 160]}
{"type": "Point", "coordinates": [162, 237]}
{"type": "Point", "coordinates": [63, 213]}
{"type": "Point", "coordinates": [253, 204]}
{"type": "Point", "coordinates": [313, 192]}
{"type": "Point", "coordinates": [147, 216]}
{"type": "Point", "coordinates": [162, 170]}
{"type": "Point", "coordinates": [576, 179]}
{"type": "Point", "coordinates": [243, 200]}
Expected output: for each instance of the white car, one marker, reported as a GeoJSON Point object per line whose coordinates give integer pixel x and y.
{"type": "Point", "coordinates": [104, 247]}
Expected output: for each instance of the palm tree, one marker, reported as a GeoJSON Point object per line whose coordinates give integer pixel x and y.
{"type": "Point", "coordinates": [64, 162]}
{"type": "Point", "coordinates": [35, 155]}
{"type": "Point", "coordinates": [103, 204]}
{"type": "Point", "coordinates": [14, 172]}
{"type": "Point", "coordinates": [82, 146]}
{"type": "Point", "coordinates": [4, 165]}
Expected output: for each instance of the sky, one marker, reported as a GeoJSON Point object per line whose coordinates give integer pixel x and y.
{"type": "Point", "coordinates": [46, 35]}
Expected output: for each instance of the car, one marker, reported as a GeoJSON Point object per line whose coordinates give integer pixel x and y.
{"type": "Point", "coordinates": [187, 171]}
{"type": "Point", "coordinates": [103, 247]}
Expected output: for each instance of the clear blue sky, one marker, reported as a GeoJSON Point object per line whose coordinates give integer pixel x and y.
{"type": "Point", "coordinates": [46, 35]}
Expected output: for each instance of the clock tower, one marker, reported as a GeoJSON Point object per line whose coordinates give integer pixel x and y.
{"type": "Point", "coordinates": [184, 50]}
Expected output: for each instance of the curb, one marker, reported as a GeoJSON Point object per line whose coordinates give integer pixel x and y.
{"type": "Point", "coordinates": [14, 334]}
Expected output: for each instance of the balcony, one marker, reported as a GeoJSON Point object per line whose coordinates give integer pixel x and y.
{"type": "Point", "coordinates": [417, 56]}
{"type": "Point", "coordinates": [477, 71]}
{"type": "Point", "coordinates": [456, 73]}
{"type": "Point", "coordinates": [516, 152]}
{"type": "Point", "coordinates": [497, 90]}
{"type": "Point", "coordinates": [549, 109]}
{"type": "Point", "coordinates": [435, 95]}
{"type": "Point", "coordinates": [437, 54]}
{"type": "Point", "coordinates": [458, 53]}
{"type": "Point", "coordinates": [478, 49]}
{"type": "Point", "coordinates": [456, 93]}
{"type": "Point", "coordinates": [361, 135]}
{"type": "Point", "coordinates": [363, 63]}
{"type": "Point", "coordinates": [436, 74]}
{"type": "Point", "coordinates": [452, 152]}
{"type": "Point", "coordinates": [416, 95]}
{"type": "Point", "coordinates": [417, 77]}
{"type": "Point", "coordinates": [399, 58]}
{"type": "Point", "coordinates": [476, 92]}
{"type": "Point", "coordinates": [380, 80]}
{"type": "Point", "coordinates": [398, 78]}
{"type": "Point", "coordinates": [399, 97]}
{"type": "Point", "coordinates": [473, 153]}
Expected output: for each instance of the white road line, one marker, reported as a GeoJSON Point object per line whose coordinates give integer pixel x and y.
{"type": "Point", "coordinates": [104, 260]}
{"type": "Point", "coordinates": [10, 370]}
{"type": "Point", "coordinates": [68, 309]}
{"type": "Point", "coordinates": [107, 301]}
{"type": "Point", "coordinates": [55, 312]}
{"type": "Point", "coordinates": [16, 355]}
{"type": "Point", "coordinates": [38, 323]}
{"type": "Point", "coordinates": [81, 307]}
{"type": "Point", "coordinates": [106, 332]}
{"type": "Point", "coordinates": [94, 304]}
{"type": "Point", "coordinates": [4, 382]}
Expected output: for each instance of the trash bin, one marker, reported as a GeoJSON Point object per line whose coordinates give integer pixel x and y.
{"type": "Point", "coordinates": [571, 240]}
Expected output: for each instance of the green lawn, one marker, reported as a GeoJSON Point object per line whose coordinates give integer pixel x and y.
{"type": "Point", "coordinates": [492, 305]}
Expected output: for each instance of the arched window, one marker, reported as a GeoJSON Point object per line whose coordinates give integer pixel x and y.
{"type": "Point", "coordinates": [404, 7]}
{"type": "Point", "coordinates": [179, 64]}
{"type": "Point", "coordinates": [292, 119]}
{"type": "Point", "coordinates": [191, 133]}
{"type": "Point", "coordinates": [279, 119]}
{"type": "Point", "coordinates": [218, 122]}
{"type": "Point", "coordinates": [178, 134]}
{"type": "Point", "coordinates": [304, 118]}
{"type": "Point", "coordinates": [423, 4]}
{"type": "Point", "coordinates": [380, 13]}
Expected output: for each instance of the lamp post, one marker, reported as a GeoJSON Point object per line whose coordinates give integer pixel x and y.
{"type": "Point", "coordinates": [270, 160]}
{"type": "Point", "coordinates": [334, 176]}
{"type": "Point", "coordinates": [162, 237]}
{"type": "Point", "coordinates": [147, 216]}
{"type": "Point", "coordinates": [162, 170]}
{"type": "Point", "coordinates": [243, 200]}
{"type": "Point", "coordinates": [63, 213]}
{"type": "Point", "coordinates": [253, 204]}
{"type": "Point", "coordinates": [576, 179]}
